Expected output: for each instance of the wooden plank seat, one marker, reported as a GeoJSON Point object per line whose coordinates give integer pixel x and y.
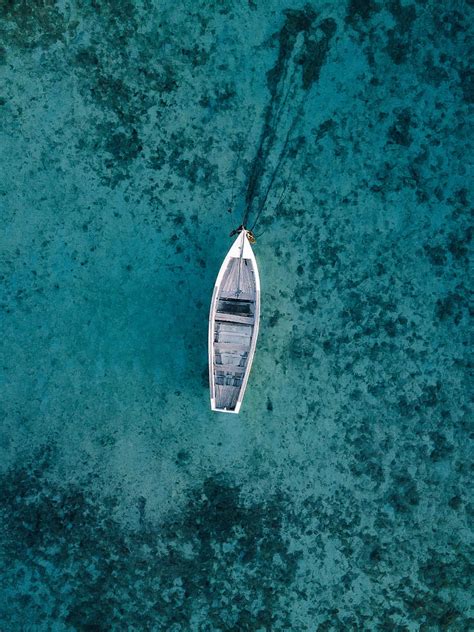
{"type": "Point", "coordinates": [229, 368]}
{"type": "Point", "coordinates": [225, 329]}
{"type": "Point", "coordinates": [221, 346]}
{"type": "Point", "coordinates": [244, 296]}
{"type": "Point", "coordinates": [233, 337]}
{"type": "Point", "coordinates": [233, 318]}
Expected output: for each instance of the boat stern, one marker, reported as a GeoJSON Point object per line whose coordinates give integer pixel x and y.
{"type": "Point", "coordinates": [215, 409]}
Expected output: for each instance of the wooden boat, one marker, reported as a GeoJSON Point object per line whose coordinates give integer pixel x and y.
{"type": "Point", "coordinates": [233, 325]}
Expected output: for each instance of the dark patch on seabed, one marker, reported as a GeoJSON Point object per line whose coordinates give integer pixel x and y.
{"type": "Point", "coordinates": [339, 499]}
{"type": "Point", "coordinates": [220, 560]}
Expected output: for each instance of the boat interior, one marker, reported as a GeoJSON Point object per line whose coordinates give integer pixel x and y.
{"type": "Point", "coordinates": [234, 324]}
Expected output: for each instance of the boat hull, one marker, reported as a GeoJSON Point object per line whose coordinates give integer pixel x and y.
{"type": "Point", "coordinates": [233, 326]}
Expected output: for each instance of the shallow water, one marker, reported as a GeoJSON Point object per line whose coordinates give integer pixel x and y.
{"type": "Point", "coordinates": [338, 498]}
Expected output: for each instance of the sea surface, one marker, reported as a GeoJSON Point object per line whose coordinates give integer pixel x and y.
{"type": "Point", "coordinates": [135, 135]}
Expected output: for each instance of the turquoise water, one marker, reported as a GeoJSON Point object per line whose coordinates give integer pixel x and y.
{"type": "Point", "coordinates": [134, 136]}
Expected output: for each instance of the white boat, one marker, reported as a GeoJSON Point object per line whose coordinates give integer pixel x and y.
{"type": "Point", "coordinates": [233, 325]}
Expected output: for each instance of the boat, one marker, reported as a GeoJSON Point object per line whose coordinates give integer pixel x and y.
{"type": "Point", "coordinates": [233, 325]}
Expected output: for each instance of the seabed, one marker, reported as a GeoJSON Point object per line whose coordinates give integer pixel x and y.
{"type": "Point", "coordinates": [338, 498]}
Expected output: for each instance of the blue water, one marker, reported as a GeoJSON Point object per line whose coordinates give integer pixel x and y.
{"type": "Point", "coordinates": [134, 137]}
